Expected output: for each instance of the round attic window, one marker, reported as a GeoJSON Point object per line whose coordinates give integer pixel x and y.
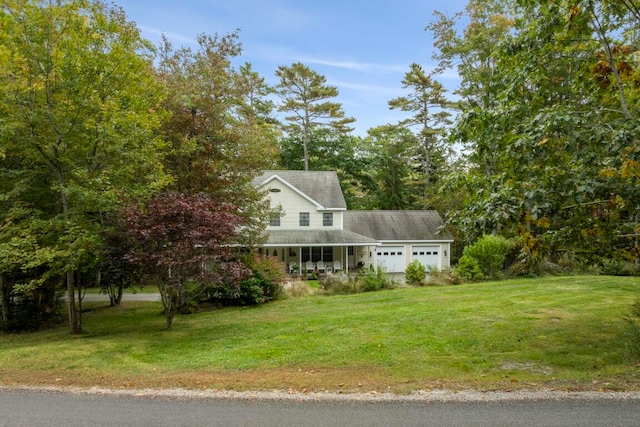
{"type": "Point", "coordinates": [274, 190]}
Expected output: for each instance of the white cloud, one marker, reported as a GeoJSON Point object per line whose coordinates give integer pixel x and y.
{"type": "Point", "coordinates": [171, 36]}
{"type": "Point", "coordinates": [354, 65]}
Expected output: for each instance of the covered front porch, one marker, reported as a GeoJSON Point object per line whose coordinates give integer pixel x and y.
{"type": "Point", "coordinates": [319, 251]}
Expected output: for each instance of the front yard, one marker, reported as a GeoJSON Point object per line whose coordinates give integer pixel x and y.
{"type": "Point", "coordinates": [564, 333]}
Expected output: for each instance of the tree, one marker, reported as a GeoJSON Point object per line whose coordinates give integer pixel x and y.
{"type": "Point", "coordinates": [554, 148]}
{"type": "Point", "coordinates": [80, 105]}
{"type": "Point", "coordinates": [473, 54]}
{"type": "Point", "coordinates": [221, 133]}
{"type": "Point", "coordinates": [305, 94]}
{"type": "Point", "coordinates": [391, 150]}
{"type": "Point", "coordinates": [429, 106]}
{"type": "Point", "coordinates": [178, 240]}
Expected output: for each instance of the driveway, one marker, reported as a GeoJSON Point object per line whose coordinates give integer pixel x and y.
{"type": "Point", "coordinates": [126, 297]}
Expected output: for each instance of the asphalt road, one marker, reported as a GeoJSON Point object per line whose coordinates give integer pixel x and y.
{"type": "Point", "coordinates": [39, 408]}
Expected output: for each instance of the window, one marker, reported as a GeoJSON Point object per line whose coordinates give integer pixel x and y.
{"type": "Point", "coordinates": [304, 219]}
{"type": "Point", "coordinates": [275, 221]}
{"type": "Point", "coordinates": [327, 219]}
{"type": "Point", "coordinates": [317, 253]}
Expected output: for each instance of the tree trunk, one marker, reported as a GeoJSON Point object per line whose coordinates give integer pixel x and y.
{"type": "Point", "coordinates": [118, 298]}
{"type": "Point", "coordinates": [5, 301]}
{"type": "Point", "coordinates": [74, 315]}
{"type": "Point", "coordinates": [74, 318]}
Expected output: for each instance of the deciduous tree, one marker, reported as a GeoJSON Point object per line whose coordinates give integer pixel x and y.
{"type": "Point", "coordinates": [555, 148]}
{"type": "Point", "coordinates": [221, 132]}
{"type": "Point", "coordinates": [180, 239]}
{"type": "Point", "coordinates": [79, 101]}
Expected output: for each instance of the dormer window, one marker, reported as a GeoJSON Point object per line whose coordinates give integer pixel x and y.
{"type": "Point", "coordinates": [304, 219]}
{"type": "Point", "coordinates": [327, 219]}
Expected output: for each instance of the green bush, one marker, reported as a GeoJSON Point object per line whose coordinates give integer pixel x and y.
{"type": "Point", "coordinates": [375, 280]}
{"type": "Point", "coordinates": [618, 267]}
{"type": "Point", "coordinates": [490, 252]}
{"type": "Point", "coordinates": [415, 273]}
{"type": "Point", "coordinates": [262, 285]}
{"type": "Point", "coordinates": [468, 268]}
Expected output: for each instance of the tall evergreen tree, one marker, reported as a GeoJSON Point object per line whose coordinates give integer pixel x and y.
{"type": "Point", "coordinates": [305, 95]}
{"type": "Point", "coordinates": [428, 105]}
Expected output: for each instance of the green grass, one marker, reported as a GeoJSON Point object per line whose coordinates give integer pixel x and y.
{"type": "Point", "coordinates": [566, 333]}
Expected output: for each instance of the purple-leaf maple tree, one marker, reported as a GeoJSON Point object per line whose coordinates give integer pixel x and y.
{"type": "Point", "coordinates": [179, 239]}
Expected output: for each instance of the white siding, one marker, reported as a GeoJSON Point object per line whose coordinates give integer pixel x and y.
{"type": "Point", "coordinates": [293, 203]}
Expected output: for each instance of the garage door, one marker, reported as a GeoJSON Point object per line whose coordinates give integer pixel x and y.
{"type": "Point", "coordinates": [427, 255]}
{"type": "Point", "coordinates": [391, 258]}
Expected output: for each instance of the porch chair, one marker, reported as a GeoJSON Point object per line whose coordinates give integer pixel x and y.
{"type": "Point", "coordinates": [321, 267]}
{"type": "Point", "coordinates": [336, 266]}
{"type": "Point", "coordinates": [329, 266]}
{"type": "Point", "coordinates": [310, 266]}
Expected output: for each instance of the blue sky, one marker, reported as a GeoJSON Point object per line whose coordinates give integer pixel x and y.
{"type": "Point", "coordinates": [362, 47]}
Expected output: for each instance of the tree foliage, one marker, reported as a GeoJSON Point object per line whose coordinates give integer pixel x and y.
{"type": "Point", "coordinates": [78, 101]}
{"type": "Point", "coordinates": [549, 100]}
{"type": "Point", "coordinates": [178, 240]}
{"type": "Point", "coordinates": [305, 95]}
{"type": "Point", "coordinates": [391, 150]}
{"type": "Point", "coordinates": [221, 132]}
{"type": "Point", "coordinates": [429, 106]}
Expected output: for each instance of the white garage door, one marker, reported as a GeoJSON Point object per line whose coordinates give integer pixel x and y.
{"type": "Point", "coordinates": [427, 255]}
{"type": "Point", "coordinates": [391, 258]}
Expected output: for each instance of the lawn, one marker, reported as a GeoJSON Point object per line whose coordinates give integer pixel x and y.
{"type": "Point", "coordinates": [565, 333]}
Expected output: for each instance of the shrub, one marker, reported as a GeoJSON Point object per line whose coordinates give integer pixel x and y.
{"type": "Point", "coordinates": [490, 252]}
{"type": "Point", "coordinates": [297, 289]}
{"type": "Point", "coordinates": [375, 280]}
{"type": "Point", "coordinates": [335, 284]}
{"type": "Point", "coordinates": [437, 277]}
{"type": "Point", "coordinates": [618, 267]}
{"type": "Point", "coordinates": [261, 286]}
{"type": "Point", "coordinates": [468, 268]}
{"type": "Point", "coordinates": [415, 273]}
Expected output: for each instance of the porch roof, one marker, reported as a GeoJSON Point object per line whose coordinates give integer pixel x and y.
{"type": "Point", "coordinates": [302, 238]}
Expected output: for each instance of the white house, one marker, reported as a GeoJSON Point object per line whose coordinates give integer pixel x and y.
{"type": "Point", "coordinates": [315, 229]}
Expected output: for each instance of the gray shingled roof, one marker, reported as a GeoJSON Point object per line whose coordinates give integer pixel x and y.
{"type": "Point", "coordinates": [317, 238]}
{"type": "Point", "coordinates": [397, 225]}
{"type": "Point", "coordinates": [321, 186]}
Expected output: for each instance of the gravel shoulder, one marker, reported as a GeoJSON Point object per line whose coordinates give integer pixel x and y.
{"type": "Point", "coordinates": [471, 396]}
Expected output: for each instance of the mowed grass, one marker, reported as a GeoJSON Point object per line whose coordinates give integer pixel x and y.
{"type": "Point", "coordinates": [566, 333]}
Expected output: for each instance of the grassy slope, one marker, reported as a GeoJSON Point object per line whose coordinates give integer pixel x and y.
{"type": "Point", "coordinates": [554, 332]}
